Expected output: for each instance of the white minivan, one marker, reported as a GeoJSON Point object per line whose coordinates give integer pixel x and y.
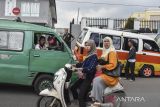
{"type": "Point", "coordinates": [148, 52]}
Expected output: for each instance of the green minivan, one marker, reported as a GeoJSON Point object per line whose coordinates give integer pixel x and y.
{"type": "Point", "coordinates": [21, 63]}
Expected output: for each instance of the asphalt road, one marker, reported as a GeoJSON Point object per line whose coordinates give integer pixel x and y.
{"type": "Point", "coordinates": [147, 90]}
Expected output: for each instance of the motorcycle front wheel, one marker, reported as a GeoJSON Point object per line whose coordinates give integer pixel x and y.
{"type": "Point", "coordinates": [46, 101]}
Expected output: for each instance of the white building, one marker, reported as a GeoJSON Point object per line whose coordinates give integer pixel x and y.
{"type": "Point", "coordinates": [41, 12]}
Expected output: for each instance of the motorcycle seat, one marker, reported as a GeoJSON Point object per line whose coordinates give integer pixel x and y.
{"type": "Point", "coordinates": [113, 89]}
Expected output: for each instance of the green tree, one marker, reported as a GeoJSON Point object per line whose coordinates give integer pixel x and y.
{"type": "Point", "coordinates": [130, 23]}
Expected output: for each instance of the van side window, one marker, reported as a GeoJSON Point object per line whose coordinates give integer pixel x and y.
{"type": "Point", "coordinates": [11, 40]}
{"type": "Point", "coordinates": [125, 43]}
{"type": "Point", "coordinates": [149, 45]}
{"type": "Point", "coordinates": [96, 38]}
{"type": "Point", "coordinates": [49, 42]}
{"type": "Point", "coordinates": [116, 41]}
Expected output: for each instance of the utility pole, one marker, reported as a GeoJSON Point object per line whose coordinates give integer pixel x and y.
{"type": "Point", "coordinates": [78, 15]}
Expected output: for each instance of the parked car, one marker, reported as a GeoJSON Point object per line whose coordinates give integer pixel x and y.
{"type": "Point", "coordinates": [148, 53]}
{"type": "Point", "coordinates": [21, 63]}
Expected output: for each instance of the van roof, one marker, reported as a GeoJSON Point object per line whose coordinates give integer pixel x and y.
{"type": "Point", "coordinates": [115, 32]}
{"type": "Point", "coordinates": [9, 24]}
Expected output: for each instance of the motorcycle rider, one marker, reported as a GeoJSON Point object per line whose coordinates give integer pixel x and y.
{"type": "Point", "coordinates": [86, 74]}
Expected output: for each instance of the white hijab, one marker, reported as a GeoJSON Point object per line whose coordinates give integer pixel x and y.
{"type": "Point", "coordinates": [111, 48]}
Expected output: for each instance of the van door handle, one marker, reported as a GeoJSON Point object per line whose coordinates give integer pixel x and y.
{"type": "Point", "coordinates": [144, 53]}
{"type": "Point", "coordinates": [36, 55]}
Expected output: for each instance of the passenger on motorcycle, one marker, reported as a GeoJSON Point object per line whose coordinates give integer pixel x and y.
{"type": "Point", "coordinates": [101, 82]}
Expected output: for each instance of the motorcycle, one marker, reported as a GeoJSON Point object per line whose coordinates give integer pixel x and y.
{"type": "Point", "coordinates": [55, 97]}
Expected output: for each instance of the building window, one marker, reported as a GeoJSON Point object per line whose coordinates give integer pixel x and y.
{"type": "Point", "coordinates": [9, 5]}
{"type": "Point", "coordinates": [11, 40]}
{"type": "Point", "coordinates": [30, 9]}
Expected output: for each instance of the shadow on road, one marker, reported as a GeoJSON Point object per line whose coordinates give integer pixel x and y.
{"type": "Point", "coordinates": [17, 96]}
{"type": "Point", "coordinates": [7, 88]}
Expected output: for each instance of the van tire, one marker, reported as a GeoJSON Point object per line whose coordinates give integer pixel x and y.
{"type": "Point", "coordinates": [147, 71]}
{"type": "Point", "coordinates": [42, 82]}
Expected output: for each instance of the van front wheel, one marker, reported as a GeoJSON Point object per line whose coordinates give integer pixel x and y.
{"type": "Point", "coordinates": [42, 82]}
{"type": "Point", "coordinates": [147, 71]}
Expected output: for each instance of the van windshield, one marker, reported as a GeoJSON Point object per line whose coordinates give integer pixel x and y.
{"type": "Point", "coordinates": [82, 35]}
{"type": "Point", "coordinates": [157, 37]}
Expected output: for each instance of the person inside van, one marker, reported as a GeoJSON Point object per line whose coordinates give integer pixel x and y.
{"type": "Point", "coordinates": [86, 73]}
{"type": "Point", "coordinates": [41, 45]}
{"type": "Point", "coordinates": [52, 42]}
{"type": "Point", "coordinates": [103, 80]}
{"type": "Point", "coordinates": [130, 65]}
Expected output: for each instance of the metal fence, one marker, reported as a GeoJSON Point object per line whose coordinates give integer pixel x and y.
{"type": "Point", "coordinates": [119, 23]}
{"type": "Point", "coordinates": [97, 22]}
{"type": "Point", "coordinates": [103, 23]}
{"type": "Point", "coordinates": [146, 26]}
{"type": "Point", "coordinates": [149, 26]}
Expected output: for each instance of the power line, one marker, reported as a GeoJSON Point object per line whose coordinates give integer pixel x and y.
{"type": "Point", "coordinates": [104, 3]}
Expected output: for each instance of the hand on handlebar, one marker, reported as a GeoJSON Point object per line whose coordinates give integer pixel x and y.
{"type": "Point", "coordinates": [73, 65]}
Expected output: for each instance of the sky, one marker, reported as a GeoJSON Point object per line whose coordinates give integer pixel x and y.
{"type": "Point", "coordinates": [66, 11]}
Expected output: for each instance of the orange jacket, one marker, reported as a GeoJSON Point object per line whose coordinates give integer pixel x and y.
{"type": "Point", "coordinates": [110, 81]}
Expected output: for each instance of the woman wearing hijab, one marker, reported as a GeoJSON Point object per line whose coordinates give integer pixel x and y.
{"type": "Point", "coordinates": [101, 82]}
{"type": "Point", "coordinates": [86, 74]}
